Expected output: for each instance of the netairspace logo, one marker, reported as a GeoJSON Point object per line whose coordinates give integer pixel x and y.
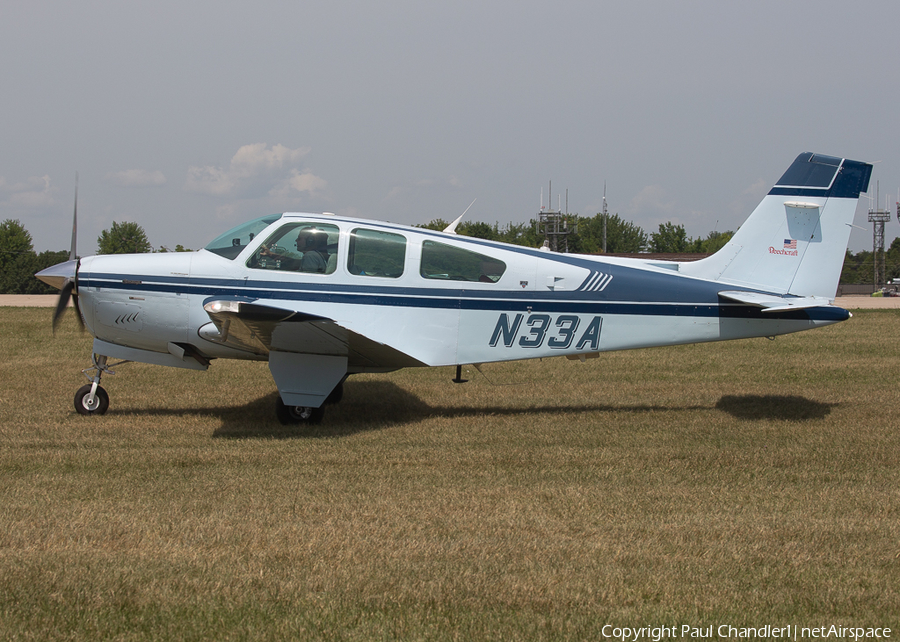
{"type": "Point", "coordinates": [727, 632]}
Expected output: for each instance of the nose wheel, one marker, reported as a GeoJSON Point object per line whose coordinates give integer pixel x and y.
{"type": "Point", "coordinates": [92, 398]}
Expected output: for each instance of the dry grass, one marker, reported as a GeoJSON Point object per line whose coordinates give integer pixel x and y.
{"type": "Point", "coordinates": [746, 483]}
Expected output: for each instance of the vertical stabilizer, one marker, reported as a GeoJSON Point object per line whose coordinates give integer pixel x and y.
{"type": "Point", "coordinates": [794, 242]}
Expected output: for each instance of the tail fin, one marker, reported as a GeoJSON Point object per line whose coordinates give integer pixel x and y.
{"type": "Point", "coordinates": [795, 241]}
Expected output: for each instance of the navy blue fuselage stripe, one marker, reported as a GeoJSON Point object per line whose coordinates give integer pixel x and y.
{"type": "Point", "coordinates": [640, 287]}
{"type": "Point", "coordinates": [461, 300]}
{"type": "Point", "coordinates": [652, 288]}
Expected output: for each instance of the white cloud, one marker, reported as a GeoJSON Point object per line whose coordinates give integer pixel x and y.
{"type": "Point", "coordinates": [738, 209]}
{"type": "Point", "coordinates": [33, 193]}
{"type": "Point", "coordinates": [137, 178]}
{"type": "Point", "coordinates": [305, 182]}
{"type": "Point", "coordinates": [652, 201]}
{"type": "Point", "coordinates": [252, 160]}
{"type": "Point", "coordinates": [214, 181]}
{"type": "Point", "coordinates": [757, 190]}
{"type": "Point", "coordinates": [256, 170]}
{"type": "Point", "coordinates": [228, 212]}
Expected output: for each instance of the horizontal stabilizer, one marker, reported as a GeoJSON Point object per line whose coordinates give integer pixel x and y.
{"type": "Point", "coordinates": [774, 303]}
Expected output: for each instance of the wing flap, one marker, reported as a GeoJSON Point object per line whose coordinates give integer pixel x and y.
{"type": "Point", "coordinates": [263, 328]}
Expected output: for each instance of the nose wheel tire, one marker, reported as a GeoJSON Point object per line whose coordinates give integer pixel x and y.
{"type": "Point", "coordinates": [298, 415]}
{"type": "Point", "coordinates": [84, 405]}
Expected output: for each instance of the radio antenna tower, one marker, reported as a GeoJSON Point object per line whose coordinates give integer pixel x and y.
{"type": "Point", "coordinates": [878, 218]}
{"type": "Point", "coordinates": [555, 224]}
{"type": "Point", "coordinates": [605, 217]}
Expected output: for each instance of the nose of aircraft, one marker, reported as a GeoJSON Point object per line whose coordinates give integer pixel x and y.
{"type": "Point", "coordinates": [63, 276]}
{"type": "Point", "coordinates": [57, 275]}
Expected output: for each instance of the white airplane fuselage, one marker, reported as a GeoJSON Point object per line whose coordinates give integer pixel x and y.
{"type": "Point", "coordinates": [320, 296]}
{"type": "Point", "coordinates": [543, 305]}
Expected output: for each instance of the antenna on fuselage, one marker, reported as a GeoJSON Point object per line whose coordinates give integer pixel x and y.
{"type": "Point", "coordinates": [458, 378]}
{"type": "Point", "coordinates": [451, 229]}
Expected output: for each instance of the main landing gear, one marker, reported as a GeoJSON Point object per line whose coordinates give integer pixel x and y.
{"type": "Point", "coordinates": [307, 415]}
{"type": "Point", "coordinates": [298, 415]}
{"type": "Point", "coordinates": [91, 398]}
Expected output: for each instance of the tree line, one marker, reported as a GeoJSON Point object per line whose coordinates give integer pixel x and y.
{"type": "Point", "coordinates": [859, 268]}
{"type": "Point", "coordinates": [19, 261]}
{"type": "Point", "coordinates": [586, 235]}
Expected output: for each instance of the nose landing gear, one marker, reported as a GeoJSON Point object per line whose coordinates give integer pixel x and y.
{"type": "Point", "coordinates": [91, 398]}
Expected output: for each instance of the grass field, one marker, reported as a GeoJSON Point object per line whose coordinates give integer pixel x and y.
{"type": "Point", "coordinates": [745, 483]}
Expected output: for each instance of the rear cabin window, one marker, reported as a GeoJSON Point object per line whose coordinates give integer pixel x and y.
{"type": "Point", "coordinates": [299, 247]}
{"type": "Point", "coordinates": [376, 253]}
{"type": "Point", "coordinates": [449, 263]}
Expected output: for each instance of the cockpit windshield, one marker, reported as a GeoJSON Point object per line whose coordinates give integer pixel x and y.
{"type": "Point", "coordinates": [233, 242]}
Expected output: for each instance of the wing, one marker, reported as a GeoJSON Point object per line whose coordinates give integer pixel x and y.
{"type": "Point", "coordinates": [773, 302]}
{"type": "Point", "coordinates": [261, 328]}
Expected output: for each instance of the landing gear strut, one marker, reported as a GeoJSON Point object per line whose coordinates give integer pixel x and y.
{"type": "Point", "coordinates": [92, 399]}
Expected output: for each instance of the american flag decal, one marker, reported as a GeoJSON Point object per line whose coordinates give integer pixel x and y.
{"type": "Point", "coordinates": [790, 244]}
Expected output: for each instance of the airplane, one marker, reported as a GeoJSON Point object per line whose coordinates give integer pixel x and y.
{"type": "Point", "coordinates": [322, 297]}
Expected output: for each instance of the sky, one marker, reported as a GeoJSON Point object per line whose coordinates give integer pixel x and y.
{"type": "Point", "coordinates": [191, 117]}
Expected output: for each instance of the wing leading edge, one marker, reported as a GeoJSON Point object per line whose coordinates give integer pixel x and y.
{"type": "Point", "coordinates": [263, 329]}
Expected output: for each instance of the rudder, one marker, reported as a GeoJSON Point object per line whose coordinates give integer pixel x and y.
{"type": "Point", "coordinates": [794, 242]}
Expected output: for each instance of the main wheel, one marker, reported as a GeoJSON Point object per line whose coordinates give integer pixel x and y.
{"type": "Point", "coordinates": [98, 406]}
{"type": "Point", "coordinates": [336, 395]}
{"type": "Point", "coordinates": [294, 415]}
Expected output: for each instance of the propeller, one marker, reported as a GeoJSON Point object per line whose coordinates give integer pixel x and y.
{"type": "Point", "coordinates": [63, 301]}
{"type": "Point", "coordinates": [69, 287]}
{"type": "Point", "coordinates": [74, 222]}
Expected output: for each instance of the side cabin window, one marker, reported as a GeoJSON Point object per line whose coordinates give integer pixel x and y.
{"type": "Point", "coordinates": [299, 247]}
{"type": "Point", "coordinates": [449, 263]}
{"type": "Point", "coordinates": [376, 253]}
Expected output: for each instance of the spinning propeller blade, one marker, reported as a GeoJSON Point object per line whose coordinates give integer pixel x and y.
{"type": "Point", "coordinates": [63, 301]}
{"type": "Point", "coordinates": [74, 221]}
{"type": "Point", "coordinates": [70, 284]}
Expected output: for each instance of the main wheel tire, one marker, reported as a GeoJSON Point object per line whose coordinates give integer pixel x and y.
{"type": "Point", "coordinates": [100, 404]}
{"type": "Point", "coordinates": [336, 395]}
{"type": "Point", "coordinates": [298, 415]}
